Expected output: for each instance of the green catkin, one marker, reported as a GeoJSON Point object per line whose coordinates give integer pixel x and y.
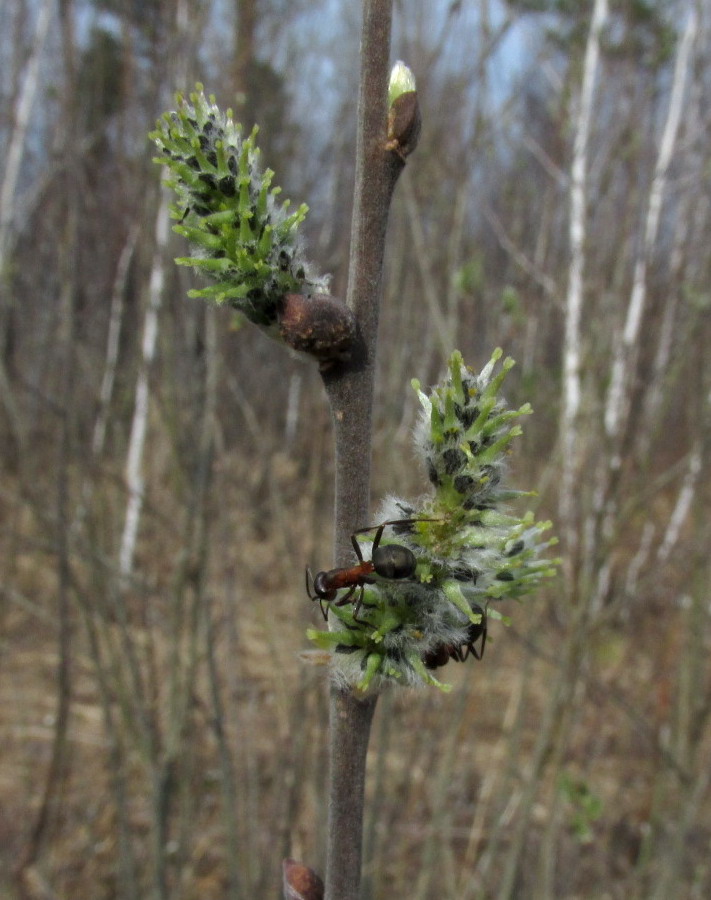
{"type": "Point", "coordinates": [472, 551]}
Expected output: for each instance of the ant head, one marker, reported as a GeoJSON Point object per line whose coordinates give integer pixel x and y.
{"type": "Point", "coordinates": [317, 586]}
{"type": "Point", "coordinates": [309, 584]}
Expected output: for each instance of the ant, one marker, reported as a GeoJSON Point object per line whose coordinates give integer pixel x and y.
{"type": "Point", "coordinates": [392, 561]}
{"type": "Point", "coordinates": [442, 654]}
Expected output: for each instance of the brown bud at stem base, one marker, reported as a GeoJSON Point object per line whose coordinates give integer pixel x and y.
{"type": "Point", "coordinates": [318, 325]}
{"type": "Point", "coordinates": [300, 882]}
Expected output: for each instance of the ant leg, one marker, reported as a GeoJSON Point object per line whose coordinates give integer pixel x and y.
{"type": "Point", "coordinates": [412, 521]}
{"type": "Point", "coordinates": [356, 547]}
{"type": "Point", "coordinates": [364, 622]}
{"type": "Point", "coordinates": [374, 547]}
{"type": "Point", "coordinates": [483, 642]}
{"type": "Point", "coordinates": [377, 538]}
{"type": "Point", "coordinates": [358, 605]}
{"type": "Point", "coordinates": [459, 654]}
{"type": "Point", "coordinates": [346, 597]}
{"type": "Point", "coordinates": [383, 525]}
{"type": "Point", "coordinates": [470, 648]}
{"type": "Point", "coordinates": [378, 529]}
{"type": "Point", "coordinates": [484, 629]}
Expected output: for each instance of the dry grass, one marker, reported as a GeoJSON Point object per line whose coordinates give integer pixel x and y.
{"type": "Point", "coordinates": [449, 776]}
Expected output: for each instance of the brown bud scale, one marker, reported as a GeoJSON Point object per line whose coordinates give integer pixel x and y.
{"type": "Point", "coordinates": [301, 882]}
{"type": "Point", "coordinates": [404, 124]}
{"type": "Point", "coordinates": [318, 325]}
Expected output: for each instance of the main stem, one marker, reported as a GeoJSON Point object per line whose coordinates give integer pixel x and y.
{"type": "Point", "coordinates": [350, 392]}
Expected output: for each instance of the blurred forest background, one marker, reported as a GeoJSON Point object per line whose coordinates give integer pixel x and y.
{"type": "Point", "coordinates": [167, 475]}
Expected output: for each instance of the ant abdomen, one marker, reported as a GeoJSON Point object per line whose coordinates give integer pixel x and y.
{"type": "Point", "coordinates": [394, 561]}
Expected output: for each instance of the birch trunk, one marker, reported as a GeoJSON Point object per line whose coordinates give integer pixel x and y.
{"type": "Point", "coordinates": [575, 295]}
{"type": "Point", "coordinates": [618, 397]}
{"type": "Point", "coordinates": [8, 192]}
{"type": "Point", "coordinates": [137, 440]}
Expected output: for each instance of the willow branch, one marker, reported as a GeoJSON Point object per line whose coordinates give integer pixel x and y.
{"type": "Point", "coordinates": [350, 392]}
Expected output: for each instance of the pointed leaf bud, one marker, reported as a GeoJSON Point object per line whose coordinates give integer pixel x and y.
{"type": "Point", "coordinates": [404, 119]}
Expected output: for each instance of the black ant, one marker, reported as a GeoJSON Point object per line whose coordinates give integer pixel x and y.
{"type": "Point", "coordinates": [442, 654]}
{"type": "Point", "coordinates": [391, 561]}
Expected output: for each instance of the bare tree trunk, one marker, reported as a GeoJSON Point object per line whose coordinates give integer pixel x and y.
{"type": "Point", "coordinates": [691, 209]}
{"type": "Point", "coordinates": [683, 504]}
{"type": "Point", "coordinates": [139, 424]}
{"type": "Point", "coordinates": [183, 19]}
{"type": "Point", "coordinates": [48, 814]}
{"type": "Point", "coordinates": [618, 400]}
{"type": "Point", "coordinates": [13, 155]}
{"type": "Point", "coordinates": [112, 342]}
{"type": "Point", "coordinates": [575, 297]}
{"type": "Point", "coordinates": [618, 396]}
{"type": "Point", "coordinates": [8, 211]}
